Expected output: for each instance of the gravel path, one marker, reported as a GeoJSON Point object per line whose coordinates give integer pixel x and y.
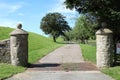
{"type": "Point", "coordinates": [60, 75]}
{"type": "Point", "coordinates": [69, 54]}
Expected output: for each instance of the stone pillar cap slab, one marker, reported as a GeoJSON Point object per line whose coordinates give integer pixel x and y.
{"type": "Point", "coordinates": [104, 31]}
{"type": "Point", "coordinates": [18, 31]}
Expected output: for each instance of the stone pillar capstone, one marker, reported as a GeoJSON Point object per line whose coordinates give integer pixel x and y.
{"type": "Point", "coordinates": [19, 47]}
{"type": "Point", "coordinates": [104, 43]}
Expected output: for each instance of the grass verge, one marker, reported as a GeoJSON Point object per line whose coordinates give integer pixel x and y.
{"type": "Point", "coordinates": [89, 52]}
{"type": "Point", "coordinates": [7, 70]}
{"type": "Point", "coordinates": [114, 72]}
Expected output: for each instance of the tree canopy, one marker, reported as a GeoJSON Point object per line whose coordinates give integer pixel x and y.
{"type": "Point", "coordinates": [103, 10]}
{"type": "Point", "coordinates": [54, 24]}
{"type": "Point", "coordinates": [84, 29]}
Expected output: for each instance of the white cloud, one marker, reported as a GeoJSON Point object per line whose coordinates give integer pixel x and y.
{"type": "Point", "coordinates": [60, 7]}
{"type": "Point", "coordinates": [20, 14]}
{"type": "Point", "coordinates": [10, 7]}
{"type": "Point", "coordinates": [14, 8]}
{"type": "Point", "coordinates": [61, 1]}
{"type": "Point", "coordinates": [9, 23]}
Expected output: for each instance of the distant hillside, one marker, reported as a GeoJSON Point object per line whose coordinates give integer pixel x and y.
{"type": "Point", "coordinates": [4, 32]}
{"type": "Point", "coordinates": [38, 44]}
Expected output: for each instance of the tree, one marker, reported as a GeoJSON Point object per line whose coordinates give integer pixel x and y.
{"type": "Point", "coordinates": [84, 29]}
{"type": "Point", "coordinates": [103, 10]}
{"type": "Point", "coordinates": [69, 36]}
{"type": "Point", "coordinates": [54, 24]}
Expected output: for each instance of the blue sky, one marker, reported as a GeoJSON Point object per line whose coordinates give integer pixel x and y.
{"type": "Point", "coordinates": [30, 13]}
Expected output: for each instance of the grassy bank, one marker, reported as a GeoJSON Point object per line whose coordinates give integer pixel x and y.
{"type": "Point", "coordinates": [89, 54]}
{"type": "Point", "coordinates": [39, 46]}
{"type": "Point", "coordinates": [4, 32]}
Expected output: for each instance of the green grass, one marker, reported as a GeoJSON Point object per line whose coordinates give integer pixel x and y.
{"type": "Point", "coordinates": [4, 32]}
{"type": "Point", "coordinates": [39, 46]}
{"type": "Point", "coordinates": [114, 72]}
{"type": "Point", "coordinates": [89, 52]}
{"type": "Point", "coordinates": [7, 70]}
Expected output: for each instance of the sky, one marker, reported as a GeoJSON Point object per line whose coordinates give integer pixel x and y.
{"type": "Point", "coordinates": [30, 13]}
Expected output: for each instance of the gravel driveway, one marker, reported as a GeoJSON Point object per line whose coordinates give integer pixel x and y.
{"type": "Point", "coordinates": [65, 63]}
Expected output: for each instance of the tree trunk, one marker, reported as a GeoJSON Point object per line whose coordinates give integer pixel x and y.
{"type": "Point", "coordinates": [54, 39]}
{"type": "Point", "coordinates": [82, 41]}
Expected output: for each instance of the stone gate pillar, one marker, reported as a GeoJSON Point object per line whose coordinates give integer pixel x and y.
{"type": "Point", "coordinates": [19, 47]}
{"type": "Point", "coordinates": [104, 42]}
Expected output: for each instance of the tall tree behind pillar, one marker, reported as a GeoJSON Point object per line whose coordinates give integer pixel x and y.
{"type": "Point", "coordinates": [104, 10]}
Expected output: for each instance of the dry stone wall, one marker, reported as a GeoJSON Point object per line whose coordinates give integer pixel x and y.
{"type": "Point", "coordinates": [5, 51]}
